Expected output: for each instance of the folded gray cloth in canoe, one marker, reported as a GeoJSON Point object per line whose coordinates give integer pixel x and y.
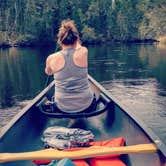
{"type": "Point", "coordinates": [62, 137]}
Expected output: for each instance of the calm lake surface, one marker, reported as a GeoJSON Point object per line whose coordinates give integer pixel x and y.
{"type": "Point", "coordinates": [134, 74]}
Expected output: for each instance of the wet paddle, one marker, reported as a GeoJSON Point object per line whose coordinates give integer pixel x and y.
{"type": "Point", "coordinates": [79, 154]}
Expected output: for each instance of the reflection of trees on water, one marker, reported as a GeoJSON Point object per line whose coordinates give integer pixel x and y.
{"type": "Point", "coordinates": [160, 74]}
{"type": "Point", "coordinates": [22, 69]}
{"type": "Point", "coordinates": [128, 61]}
{"type": "Point", "coordinates": [156, 58]}
{"type": "Point", "coordinates": [7, 99]}
{"type": "Point", "coordinates": [20, 75]}
{"type": "Point", "coordinates": [116, 62]}
{"type": "Point", "coordinates": [6, 87]}
{"type": "Point", "coordinates": [98, 63]}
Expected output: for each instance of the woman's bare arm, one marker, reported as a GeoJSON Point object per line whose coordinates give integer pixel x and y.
{"type": "Point", "coordinates": [48, 70]}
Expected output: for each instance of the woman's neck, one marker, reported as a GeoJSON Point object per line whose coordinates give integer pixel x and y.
{"type": "Point", "coordinates": [68, 46]}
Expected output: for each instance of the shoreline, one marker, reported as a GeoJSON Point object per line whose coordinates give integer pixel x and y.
{"type": "Point", "coordinates": [48, 43]}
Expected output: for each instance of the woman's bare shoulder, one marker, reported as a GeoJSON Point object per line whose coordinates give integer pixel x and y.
{"type": "Point", "coordinates": [82, 49]}
{"type": "Point", "coordinates": [54, 55]}
{"type": "Point", "coordinates": [80, 57]}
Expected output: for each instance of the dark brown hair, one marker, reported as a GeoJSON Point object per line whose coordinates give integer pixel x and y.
{"type": "Point", "coordinates": [68, 33]}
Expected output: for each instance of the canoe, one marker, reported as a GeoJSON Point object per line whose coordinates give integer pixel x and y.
{"type": "Point", "coordinates": [23, 133]}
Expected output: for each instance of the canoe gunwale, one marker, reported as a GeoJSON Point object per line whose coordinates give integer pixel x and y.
{"type": "Point", "coordinates": [126, 109]}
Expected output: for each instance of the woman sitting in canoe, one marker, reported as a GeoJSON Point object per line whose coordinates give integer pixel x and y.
{"type": "Point", "coordinates": [69, 66]}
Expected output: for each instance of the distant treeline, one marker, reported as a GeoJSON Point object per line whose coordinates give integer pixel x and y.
{"type": "Point", "coordinates": [29, 22]}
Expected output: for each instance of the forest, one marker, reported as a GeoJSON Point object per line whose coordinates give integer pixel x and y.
{"type": "Point", "coordinates": [36, 22]}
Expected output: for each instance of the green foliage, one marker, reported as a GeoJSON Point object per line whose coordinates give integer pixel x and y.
{"type": "Point", "coordinates": [27, 40]}
{"type": "Point", "coordinates": [96, 20]}
{"type": "Point", "coordinates": [3, 38]}
{"type": "Point", "coordinates": [154, 22]}
{"type": "Point", "coordinates": [88, 34]}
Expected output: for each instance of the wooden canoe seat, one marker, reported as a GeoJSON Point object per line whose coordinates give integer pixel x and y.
{"type": "Point", "coordinates": [102, 105]}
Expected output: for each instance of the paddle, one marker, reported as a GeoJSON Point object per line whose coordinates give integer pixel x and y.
{"type": "Point", "coordinates": [79, 154]}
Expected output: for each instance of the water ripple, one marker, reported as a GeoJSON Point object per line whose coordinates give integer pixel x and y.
{"type": "Point", "coordinates": [8, 113]}
{"type": "Point", "coordinates": [143, 95]}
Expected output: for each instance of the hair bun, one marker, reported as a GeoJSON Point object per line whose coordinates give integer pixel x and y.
{"type": "Point", "coordinates": [67, 26]}
{"type": "Point", "coordinates": [68, 33]}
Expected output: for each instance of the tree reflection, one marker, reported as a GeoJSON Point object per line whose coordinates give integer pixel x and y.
{"type": "Point", "coordinates": [21, 75]}
{"type": "Point", "coordinates": [156, 59]}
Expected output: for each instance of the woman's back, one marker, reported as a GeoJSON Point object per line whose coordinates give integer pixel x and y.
{"type": "Point", "coordinates": [71, 84]}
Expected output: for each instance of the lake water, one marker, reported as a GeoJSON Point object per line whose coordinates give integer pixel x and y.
{"type": "Point", "coordinates": [134, 74]}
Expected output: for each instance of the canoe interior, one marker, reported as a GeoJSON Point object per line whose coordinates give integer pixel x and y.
{"type": "Point", "coordinates": [25, 134]}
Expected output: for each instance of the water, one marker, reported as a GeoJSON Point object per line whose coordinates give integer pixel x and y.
{"type": "Point", "coordinates": [134, 74]}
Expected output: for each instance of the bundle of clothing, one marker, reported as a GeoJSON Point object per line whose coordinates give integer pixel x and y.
{"type": "Point", "coordinates": [62, 138]}
{"type": "Point", "coordinates": [69, 138]}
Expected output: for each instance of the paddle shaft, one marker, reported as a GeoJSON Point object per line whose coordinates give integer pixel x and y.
{"type": "Point", "coordinates": [79, 154]}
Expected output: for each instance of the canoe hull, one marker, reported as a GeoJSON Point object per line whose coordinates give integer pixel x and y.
{"type": "Point", "coordinates": [25, 133]}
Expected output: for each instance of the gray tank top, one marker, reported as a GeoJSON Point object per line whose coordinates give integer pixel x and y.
{"type": "Point", "coordinates": [72, 91]}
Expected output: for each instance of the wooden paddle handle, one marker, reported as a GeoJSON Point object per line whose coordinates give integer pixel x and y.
{"type": "Point", "coordinates": [79, 154]}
